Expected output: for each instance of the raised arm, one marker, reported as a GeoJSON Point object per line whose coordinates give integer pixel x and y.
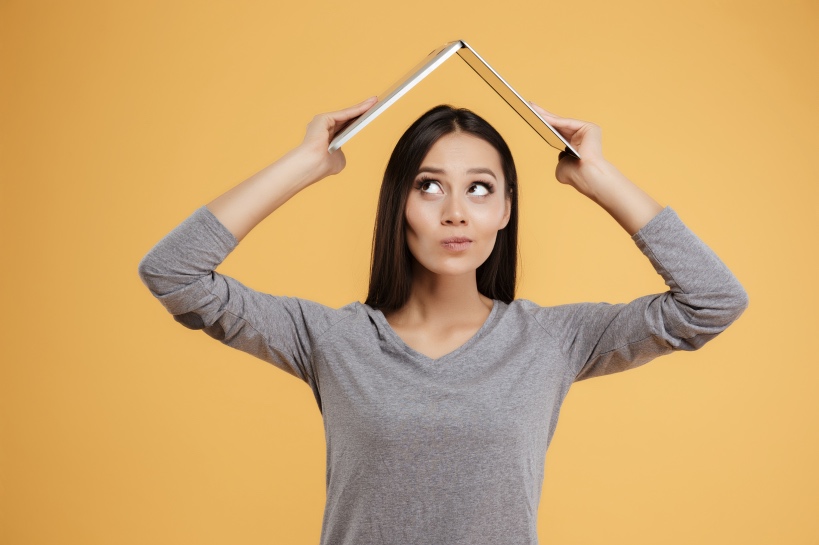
{"type": "Point", "coordinates": [180, 269]}
{"type": "Point", "coordinates": [703, 299]}
{"type": "Point", "coordinates": [243, 207]}
{"type": "Point", "coordinates": [598, 179]}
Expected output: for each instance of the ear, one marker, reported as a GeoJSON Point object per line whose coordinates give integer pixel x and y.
{"type": "Point", "coordinates": [507, 213]}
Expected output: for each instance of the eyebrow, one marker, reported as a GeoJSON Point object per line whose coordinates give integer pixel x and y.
{"type": "Point", "coordinates": [477, 170]}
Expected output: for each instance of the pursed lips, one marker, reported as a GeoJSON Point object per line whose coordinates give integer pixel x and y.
{"type": "Point", "coordinates": [456, 243]}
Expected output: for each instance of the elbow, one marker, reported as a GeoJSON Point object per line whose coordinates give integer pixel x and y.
{"type": "Point", "coordinates": [156, 276]}
{"type": "Point", "coordinates": [721, 311]}
{"type": "Point", "coordinates": [742, 300]}
{"type": "Point", "coordinates": [719, 308]}
{"type": "Point", "coordinates": [148, 272]}
{"type": "Point", "coordinates": [185, 297]}
{"type": "Point", "coordinates": [736, 302]}
{"type": "Point", "coordinates": [692, 320]}
{"type": "Point", "coordinates": [143, 267]}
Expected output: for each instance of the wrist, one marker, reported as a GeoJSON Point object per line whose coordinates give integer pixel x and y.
{"type": "Point", "coordinates": [300, 163]}
{"type": "Point", "coordinates": [629, 205]}
{"type": "Point", "coordinates": [597, 178]}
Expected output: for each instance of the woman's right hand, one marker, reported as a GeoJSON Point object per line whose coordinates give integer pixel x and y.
{"type": "Point", "coordinates": [321, 131]}
{"type": "Point", "coordinates": [241, 208]}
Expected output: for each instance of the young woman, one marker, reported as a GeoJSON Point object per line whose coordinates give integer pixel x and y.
{"type": "Point", "coordinates": [440, 394]}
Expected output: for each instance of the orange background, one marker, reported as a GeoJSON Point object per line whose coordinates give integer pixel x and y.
{"type": "Point", "coordinates": [118, 425]}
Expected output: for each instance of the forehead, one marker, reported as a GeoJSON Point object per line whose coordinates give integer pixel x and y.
{"type": "Point", "coordinates": [460, 151]}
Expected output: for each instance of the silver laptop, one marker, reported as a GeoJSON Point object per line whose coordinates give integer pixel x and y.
{"type": "Point", "coordinates": [482, 68]}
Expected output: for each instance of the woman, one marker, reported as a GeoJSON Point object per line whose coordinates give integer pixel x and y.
{"type": "Point", "coordinates": [440, 394]}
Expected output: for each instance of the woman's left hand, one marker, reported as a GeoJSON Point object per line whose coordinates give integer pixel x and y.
{"type": "Point", "coordinates": [586, 138]}
{"type": "Point", "coordinates": [595, 177]}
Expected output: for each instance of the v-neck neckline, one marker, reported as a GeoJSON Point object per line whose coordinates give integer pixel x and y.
{"type": "Point", "coordinates": [399, 342]}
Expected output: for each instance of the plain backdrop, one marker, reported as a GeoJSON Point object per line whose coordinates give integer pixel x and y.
{"type": "Point", "coordinates": [119, 119]}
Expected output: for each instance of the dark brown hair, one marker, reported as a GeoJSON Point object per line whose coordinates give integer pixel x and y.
{"type": "Point", "coordinates": [391, 262]}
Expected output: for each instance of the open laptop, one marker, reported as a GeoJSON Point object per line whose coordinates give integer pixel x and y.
{"type": "Point", "coordinates": [482, 68]}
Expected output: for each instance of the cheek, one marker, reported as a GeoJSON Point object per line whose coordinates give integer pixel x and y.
{"type": "Point", "coordinates": [489, 219]}
{"type": "Point", "coordinates": [418, 218]}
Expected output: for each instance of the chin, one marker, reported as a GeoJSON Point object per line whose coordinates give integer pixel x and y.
{"type": "Point", "coordinates": [463, 268]}
{"type": "Point", "coordinates": [441, 263]}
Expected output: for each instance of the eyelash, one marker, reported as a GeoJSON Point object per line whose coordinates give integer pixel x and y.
{"type": "Point", "coordinates": [490, 188]}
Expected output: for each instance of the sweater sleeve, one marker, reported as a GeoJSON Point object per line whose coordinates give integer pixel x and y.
{"type": "Point", "coordinates": [703, 300]}
{"type": "Point", "coordinates": [179, 272]}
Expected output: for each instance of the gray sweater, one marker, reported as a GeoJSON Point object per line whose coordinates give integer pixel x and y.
{"type": "Point", "coordinates": [449, 450]}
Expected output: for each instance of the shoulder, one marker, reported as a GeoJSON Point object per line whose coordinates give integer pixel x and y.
{"type": "Point", "coordinates": [325, 315]}
{"type": "Point", "coordinates": [536, 311]}
{"type": "Point", "coordinates": [526, 312]}
{"type": "Point", "coordinates": [311, 317]}
{"type": "Point", "coordinates": [554, 319]}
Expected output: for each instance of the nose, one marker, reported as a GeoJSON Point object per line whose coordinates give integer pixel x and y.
{"type": "Point", "coordinates": [454, 212]}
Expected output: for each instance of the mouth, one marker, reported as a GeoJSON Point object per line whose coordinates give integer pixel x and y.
{"type": "Point", "coordinates": [456, 244]}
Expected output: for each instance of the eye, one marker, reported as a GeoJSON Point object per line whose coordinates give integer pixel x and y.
{"type": "Point", "coordinates": [480, 189]}
{"type": "Point", "coordinates": [429, 186]}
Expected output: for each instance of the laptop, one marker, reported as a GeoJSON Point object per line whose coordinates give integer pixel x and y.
{"type": "Point", "coordinates": [435, 59]}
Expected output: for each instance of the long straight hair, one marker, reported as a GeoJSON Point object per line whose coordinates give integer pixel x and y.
{"type": "Point", "coordinates": [391, 260]}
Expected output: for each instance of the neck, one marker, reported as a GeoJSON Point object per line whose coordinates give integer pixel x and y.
{"type": "Point", "coordinates": [442, 299]}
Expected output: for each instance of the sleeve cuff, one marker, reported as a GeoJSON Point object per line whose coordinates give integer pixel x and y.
{"type": "Point", "coordinates": [663, 220]}
{"type": "Point", "coordinates": [222, 235]}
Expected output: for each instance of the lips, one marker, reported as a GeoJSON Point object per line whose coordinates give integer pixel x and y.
{"type": "Point", "coordinates": [456, 244]}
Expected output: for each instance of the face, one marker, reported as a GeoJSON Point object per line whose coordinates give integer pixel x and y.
{"type": "Point", "coordinates": [457, 205]}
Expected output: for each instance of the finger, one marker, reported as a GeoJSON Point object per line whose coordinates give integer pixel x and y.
{"type": "Point", "coordinates": [330, 123]}
{"type": "Point", "coordinates": [565, 123]}
{"type": "Point", "coordinates": [542, 110]}
{"type": "Point", "coordinates": [557, 121]}
{"type": "Point", "coordinates": [353, 111]}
